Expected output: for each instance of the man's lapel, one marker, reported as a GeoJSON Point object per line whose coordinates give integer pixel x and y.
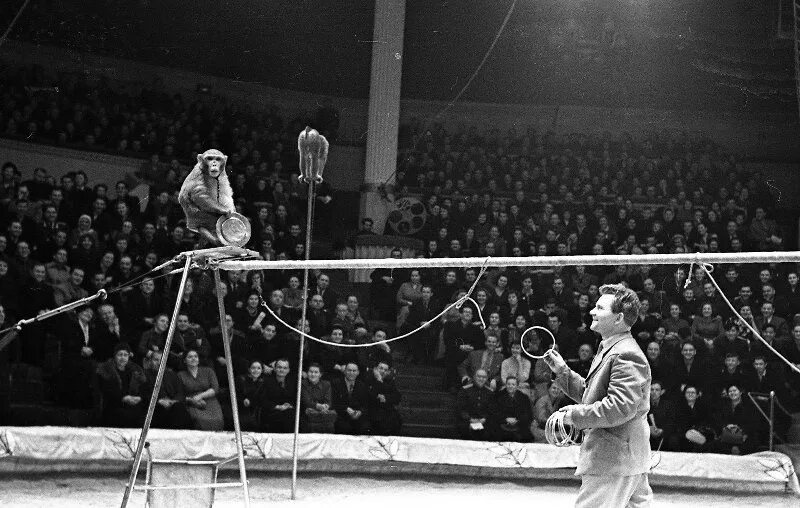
{"type": "Point", "coordinates": [598, 360]}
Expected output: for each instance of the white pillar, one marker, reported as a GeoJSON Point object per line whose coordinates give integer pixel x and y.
{"type": "Point", "coordinates": [384, 107]}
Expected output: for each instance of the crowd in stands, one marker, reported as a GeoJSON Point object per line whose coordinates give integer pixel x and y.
{"type": "Point", "coordinates": [488, 194]}
{"type": "Point", "coordinates": [534, 194]}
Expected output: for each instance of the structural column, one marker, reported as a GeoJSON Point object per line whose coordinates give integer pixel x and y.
{"type": "Point", "coordinates": [384, 107]}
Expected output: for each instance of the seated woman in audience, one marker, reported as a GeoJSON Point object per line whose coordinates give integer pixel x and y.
{"type": "Point", "coordinates": [675, 322]}
{"type": "Point", "coordinates": [293, 294]}
{"type": "Point", "coordinates": [120, 385]}
{"type": "Point", "coordinates": [514, 334]}
{"type": "Point", "coordinates": [545, 406]}
{"type": "Point", "coordinates": [706, 327]}
{"type": "Point", "coordinates": [248, 393]}
{"type": "Point", "coordinates": [409, 293]}
{"type": "Point", "coordinates": [493, 327]}
{"type": "Point", "coordinates": [735, 423]}
{"type": "Point", "coordinates": [512, 309]}
{"type": "Point", "coordinates": [201, 387]}
{"type": "Point", "coordinates": [316, 397]}
{"type": "Point", "coordinates": [170, 411]}
{"type": "Point", "coordinates": [692, 420]}
{"type": "Point", "coordinates": [518, 367]}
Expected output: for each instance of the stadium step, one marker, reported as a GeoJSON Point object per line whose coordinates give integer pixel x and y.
{"type": "Point", "coordinates": [428, 399]}
{"type": "Point", "coordinates": [793, 434]}
{"type": "Point", "coordinates": [428, 416]}
{"type": "Point", "coordinates": [429, 430]}
{"type": "Point", "coordinates": [407, 382]}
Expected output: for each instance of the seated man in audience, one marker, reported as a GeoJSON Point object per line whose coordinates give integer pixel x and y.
{"type": "Point", "coordinates": [193, 337]}
{"type": "Point", "coordinates": [121, 383]}
{"type": "Point", "coordinates": [384, 398]}
{"type": "Point", "coordinates": [476, 409]}
{"type": "Point", "coordinates": [333, 358]}
{"type": "Point", "coordinates": [351, 401]}
{"type": "Point", "coordinates": [460, 338]}
{"type": "Point", "coordinates": [170, 411]}
{"type": "Point", "coordinates": [278, 398]}
{"type": "Point", "coordinates": [369, 357]}
{"type": "Point", "coordinates": [661, 418]}
{"type": "Point", "coordinates": [735, 423]}
{"type": "Point", "coordinates": [730, 373]}
{"type": "Point", "coordinates": [513, 416]}
{"type": "Point", "coordinates": [489, 359]}
{"type": "Point", "coordinates": [582, 364]}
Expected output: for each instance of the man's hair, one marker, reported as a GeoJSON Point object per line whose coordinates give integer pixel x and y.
{"type": "Point", "coordinates": [625, 301]}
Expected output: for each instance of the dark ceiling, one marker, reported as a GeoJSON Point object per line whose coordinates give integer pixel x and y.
{"type": "Point", "coordinates": [720, 54]}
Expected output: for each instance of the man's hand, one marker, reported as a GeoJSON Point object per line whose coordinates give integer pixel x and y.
{"type": "Point", "coordinates": [86, 351]}
{"type": "Point", "coordinates": [656, 432]}
{"type": "Point", "coordinates": [555, 361]}
{"type": "Point", "coordinates": [382, 398]}
{"type": "Point", "coordinates": [166, 403]}
{"type": "Point", "coordinates": [511, 420]}
{"type": "Point", "coordinates": [246, 402]}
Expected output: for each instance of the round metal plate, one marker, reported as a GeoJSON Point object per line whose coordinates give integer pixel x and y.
{"type": "Point", "coordinates": [233, 229]}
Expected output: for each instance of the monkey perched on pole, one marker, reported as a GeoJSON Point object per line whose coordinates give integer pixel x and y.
{"type": "Point", "coordinates": [206, 195]}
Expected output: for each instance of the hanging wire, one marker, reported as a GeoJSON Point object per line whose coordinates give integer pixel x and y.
{"type": "Point", "coordinates": [457, 304]}
{"type": "Point", "coordinates": [710, 268]}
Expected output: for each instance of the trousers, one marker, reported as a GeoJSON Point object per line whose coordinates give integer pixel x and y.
{"type": "Point", "coordinates": [614, 492]}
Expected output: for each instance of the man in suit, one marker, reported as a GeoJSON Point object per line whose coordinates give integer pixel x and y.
{"type": "Point", "coordinates": [614, 400]}
{"type": "Point", "coordinates": [425, 341]}
{"type": "Point", "coordinates": [489, 359]}
{"type": "Point", "coordinates": [351, 401]}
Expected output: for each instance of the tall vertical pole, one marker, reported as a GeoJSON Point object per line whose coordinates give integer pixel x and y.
{"type": "Point", "coordinates": [309, 220]}
{"type": "Point", "coordinates": [226, 344]}
{"type": "Point", "coordinates": [137, 458]}
{"type": "Point", "coordinates": [771, 419]}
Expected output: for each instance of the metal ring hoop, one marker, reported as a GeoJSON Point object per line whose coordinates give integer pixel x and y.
{"type": "Point", "coordinates": [522, 345]}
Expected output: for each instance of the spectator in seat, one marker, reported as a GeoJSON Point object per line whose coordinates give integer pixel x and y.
{"type": "Point", "coordinates": [293, 295]}
{"type": "Point", "coordinates": [193, 337]}
{"type": "Point", "coordinates": [583, 363]}
{"type": "Point", "coordinates": [690, 369]}
{"type": "Point", "coordinates": [109, 332]}
{"type": "Point", "coordinates": [120, 383]}
{"type": "Point", "coordinates": [268, 348]}
{"type": "Point", "coordinates": [71, 290]}
{"type": "Point", "coordinates": [662, 420]}
{"type": "Point", "coordinates": [317, 316]}
{"type": "Point", "coordinates": [460, 338]}
{"type": "Point", "coordinates": [201, 388]}
{"type": "Point", "coordinates": [735, 424]}
{"type": "Point", "coordinates": [759, 348]}
{"type": "Point", "coordinates": [730, 373]}
{"type": "Point", "coordinates": [317, 400]}
{"type": "Point", "coordinates": [763, 233]}
{"type": "Point", "coordinates": [248, 392]}
{"type": "Point", "coordinates": [693, 419]}
{"type": "Point", "coordinates": [383, 400]}
{"type": "Point", "coordinates": [351, 401]}
{"type": "Point", "coordinates": [369, 357]}
{"type": "Point", "coordinates": [545, 406]}
{"type": "Point", "coordinates": [239, 349]}
{"type": "Point", "coordinates": [768, 317]}
{"type": "Point", "coordinates": [155, 339]}
{"type": "Point", "coordinates": [78, 364]}
{"type": "Point", "coordinates": [424, 342]}
{"type": "Point", "coordinates": [334, 359]}
{"type": "Point", "coordinates": [329, 296]}
{"type": "Point", "coordinates": [489, 359]}
{"type": "Point", "coordinates": [278, 399]}
{"type": "Point", "coordinates": [409, 293]}
{"type": "Point", "coordinates": [57, 270]}
{"type": "Point", "coordinates": [170, 411]}
{"type": "Point", "coordinates": [765, 378]}
{"type": "Point", "coordinates": [383, 288]}
{"type": "Point", "coordinates": [566, 338]}
{"type": "Point", "coordinates": [518, 367]}
{"type": "Point", "coordinates": [144, 305]}
{"type": "Point", "coordinates": [707, 327]}
{"type": "Point", "coordinates": [476, 407]}
{"type": "Point", "coordinates": [513, 413]}
{"type": "Point", "coordinates": [731, 343]}
{"type": "Point", "coordinates": [36, 296]}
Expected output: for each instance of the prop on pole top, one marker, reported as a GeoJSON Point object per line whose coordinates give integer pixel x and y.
{"type": "Point", "coordinates": [313, 148]}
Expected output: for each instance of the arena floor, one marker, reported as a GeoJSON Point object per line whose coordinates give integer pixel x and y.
{"type": "Point", "coordinates": [357, 492]}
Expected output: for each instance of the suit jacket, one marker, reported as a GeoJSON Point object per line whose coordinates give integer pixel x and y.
{"type": "Point", "coordinates": [615, 399]}
{"type": "Point", "coordinates": [359, 399]}
{"type": "Point", "coordinates": [474, 360]}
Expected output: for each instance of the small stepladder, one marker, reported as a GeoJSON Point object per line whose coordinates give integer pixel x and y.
{"type": "Point", "coordinates": [184, 483]}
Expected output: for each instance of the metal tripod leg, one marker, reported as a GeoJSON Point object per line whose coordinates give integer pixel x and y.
{"type": "Point", "coordinates": [232, 384]}
{"type": "Point", "coordinates": [137, 458]}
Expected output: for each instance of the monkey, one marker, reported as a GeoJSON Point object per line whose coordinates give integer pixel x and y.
{"type": "Point", "coordinates": [206, 195]}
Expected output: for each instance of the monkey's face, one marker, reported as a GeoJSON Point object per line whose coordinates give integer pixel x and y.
{"type": "Point", "coordinates": [214, 165]}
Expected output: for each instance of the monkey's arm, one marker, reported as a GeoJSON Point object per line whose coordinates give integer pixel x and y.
{"type": "Point", "coordinates": [206, 201]}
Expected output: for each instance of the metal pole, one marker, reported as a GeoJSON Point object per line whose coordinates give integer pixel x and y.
{"type": "Point", "coordinates": [137, 459]}
{"type": "Point", "coordinates": [309, 218]}
{"type": "Point", "coordinates": [771, 419]}
{"type": "Point", "coordinates": [232, 385]}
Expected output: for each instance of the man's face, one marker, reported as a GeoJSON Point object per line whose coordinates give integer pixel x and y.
{"type": "Point", "coordinates": [734, 394]}
{"type": "Point", "coordinates": [731, 363]}
{"type": "Point", "coordinates": [688, 351]}
{"type": "Point", "coordinates": [584, 352]}
{"type": "Point", "coordinates": [183, 322]}
{"type": "Point", "coordinates": [558, 285]}
{"type": "Point", "coordinates": [768, 292]}
{"type": "Point", "coordinates": [767, 310]}
{"type": "Point", "coordinates": [323, 281]}
{"type": "Point", "coordinates": [379, 336]}
{"type": "Point", "coordinates": [760, 365]}
{"type": "Point", "coordinates": [604, 321]}
{"type": "Point", "coordinates": [281, 369]}
{"type": "Point", "coordinates": [351, 372]}
{"type": "Point", "coordinates": [655, 392]}
{"type": "Point", "coordinates": [125, 264]}
{"type": "Point", "coordinates": [745, 292]}
{"type": "Point", "coordinates": [653, 350]}
{"type": "Point", "coordinates": [276, 298]}
{"type": "Point", "coordinates": [511, 386]}
{"type": "Point", "coordinates": [316, 302]}
{"type": "Point", "coordinates": [148, 286]}
{"type": "Point", "coordinates": [491, 343]}
{"type": "Point", "coordinates": [480, 378]}
{"type": "Point", "coordinates": [381, 369]}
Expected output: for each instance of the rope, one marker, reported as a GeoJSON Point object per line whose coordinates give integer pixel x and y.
{"type": "Point", "coordinates": [457, 304]}
{"type": "Point", "coordinates": [708, 269]}
{"type": "Point", "coordinates": [528, 261]}
{"type": "Point", "coordinates": [559, 434]}
{"type": "Point", "coordinates": [13, 22]}
{"type": "Point", "coordinates": [522, 344]}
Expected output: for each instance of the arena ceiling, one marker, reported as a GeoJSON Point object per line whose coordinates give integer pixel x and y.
{"type": "Point", "coordinates": [719, 54]}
